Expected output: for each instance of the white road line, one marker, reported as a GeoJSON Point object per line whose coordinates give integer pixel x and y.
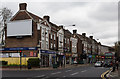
{"type": "Point", "coordinates": [55, 73]}
{"type": "Point", "coordinates": [45, 77]}
{"type": "Point", "coordinates": [64, 76]}
{"type": "Point", "coordinates": [40, 76]}
{"type": "Point", "coordinates": [84, 71]}
{"type": "Point", "coordinates": [68, 70]}
{"type": "Point", "coordinates": [75, 73]}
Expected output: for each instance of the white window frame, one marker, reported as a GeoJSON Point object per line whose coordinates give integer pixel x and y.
{"type": "Point", "coordinates": [54, 36]}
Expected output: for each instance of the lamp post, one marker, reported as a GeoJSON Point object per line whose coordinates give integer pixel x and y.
{"type": "Point", "coordinates": [69, 25]}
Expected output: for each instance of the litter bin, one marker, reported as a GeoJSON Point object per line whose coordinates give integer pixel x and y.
{"type": "Point", "coordinates": [29, 66]}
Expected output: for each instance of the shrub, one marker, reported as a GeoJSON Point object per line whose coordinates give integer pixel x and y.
{"type": "Point", "coordinates": [34, 62]}
{"type": "Point", "coordinates": [3, 62]}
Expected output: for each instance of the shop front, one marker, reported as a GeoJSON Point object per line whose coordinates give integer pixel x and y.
{"type": "Point", "coordinates": [61, 59]}
{"type": "Point", "coordinates": [74, 58]}
{"type": "Point", "coordinates": [48, 58]}
{"type": "Point", "coordinates": [68, 58]}
{"type": "Point", "coordinates": [109, 56]}
{"type": "Point", "coordinates": [89, 58]}
{"type": "Point", "coordinates": [13, 55]}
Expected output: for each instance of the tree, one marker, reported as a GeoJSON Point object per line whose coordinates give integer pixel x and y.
{"type": "Point", "coordinates": [5, 15]}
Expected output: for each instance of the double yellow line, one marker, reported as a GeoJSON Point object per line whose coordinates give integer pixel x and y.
{"type": "Point", "coordinates": [103, 75]}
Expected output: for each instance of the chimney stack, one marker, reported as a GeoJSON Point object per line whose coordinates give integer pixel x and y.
{"type": "Point", "coordinates": [61, 26]}
{"type": "Point", "coordinates": [46, 17]}
{"type": "Point", "coordinates": [91, 37]}
{"type": "Point", "coordinates": [74, 31]}
{"type": "Point", "coordinates": [22, 6]}
{"type": "Point", "coordinates": [84, 34]}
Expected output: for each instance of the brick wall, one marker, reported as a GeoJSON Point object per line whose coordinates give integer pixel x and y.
{"type": "Point", "coordinates": [26, 41]}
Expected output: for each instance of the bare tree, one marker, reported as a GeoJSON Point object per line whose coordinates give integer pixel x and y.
{"type": "Point", "coordinates": [5, 15]}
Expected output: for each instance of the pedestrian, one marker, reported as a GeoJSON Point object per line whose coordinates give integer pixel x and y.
{"type": "Point", "coordinates": [117, 64]}
{"type": "Point", "coordinates": [114, 66]}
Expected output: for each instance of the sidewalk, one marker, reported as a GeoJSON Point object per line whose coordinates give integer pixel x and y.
{"type": "Point", "coordinates": [47, 68]}
{"type": "Point", "coordinates": [115, 74]}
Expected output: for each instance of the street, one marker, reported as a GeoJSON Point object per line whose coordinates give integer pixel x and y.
{"type": "Point", "coordinates": [76, 72]}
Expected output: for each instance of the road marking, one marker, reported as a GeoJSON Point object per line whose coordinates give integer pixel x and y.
{"type": "Point", "coordinates": [68, 70]}
{"type": "Point", "coordinates": [103, 74]}
{"type": "Point", "coordinates": [55, 73]}
{"type": "Point", "coordinates": [45, 77]}
{"type": "Point", "coordinates": [64, 76]}
{"type": "Point", "coordinates": [75, 73]}
{"type": "Point", "coordinates": [40, 76]}
{"type": "Point", "coordinates": [84, 71]}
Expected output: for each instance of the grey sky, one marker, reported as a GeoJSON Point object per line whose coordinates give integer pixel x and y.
{"type": "Point", "coordinates": [99, 19]}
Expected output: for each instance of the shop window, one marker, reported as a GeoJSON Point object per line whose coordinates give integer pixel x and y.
{"type": "Point", "coordinates": [31, 53]}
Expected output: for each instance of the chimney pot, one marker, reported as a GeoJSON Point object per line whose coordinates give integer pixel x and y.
{"type": "Point", "coordinates": [74, 31]}
{"type": "Point", "coordinates": [61, 26]}
{"type": "Point", "coordinates": [84, 34]}
{"type": "Point", "coordinates": [22, 6]}
{"type": "Point", "coordinates": [91, 37]}
{"type": "Point", "coordinates": [46, 17]}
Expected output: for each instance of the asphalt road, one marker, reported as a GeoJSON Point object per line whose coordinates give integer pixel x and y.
{"type": "Point", "coordinates": [77, 72]}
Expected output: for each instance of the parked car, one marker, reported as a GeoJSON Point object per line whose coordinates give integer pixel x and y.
{"type": "Point", "coordinates": [98, 64]}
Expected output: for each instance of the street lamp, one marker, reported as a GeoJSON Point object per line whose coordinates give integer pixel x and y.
{"type": "Point", "coordinates": [69, 25]}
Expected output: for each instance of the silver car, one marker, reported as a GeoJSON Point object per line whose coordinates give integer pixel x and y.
{"type": "Point", "coordinates": [98, 64]}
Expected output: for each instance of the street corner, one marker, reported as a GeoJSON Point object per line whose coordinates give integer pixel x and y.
{"type": "Point", "coordinates": [106, 74]}
{"type": "Point", "coordinates": [114, 74]}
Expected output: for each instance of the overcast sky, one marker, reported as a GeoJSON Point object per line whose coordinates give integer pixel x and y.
{"type": "Point", "coordinates": [99, 19]}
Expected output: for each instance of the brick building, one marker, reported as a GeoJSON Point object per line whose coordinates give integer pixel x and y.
{"type": "Point", "coordinates": [76, 47]}
{"type": "Point", "coordinates": [23, 42]}
{"type": "Point", "coordinates": [67, 46]}
{"type": "Point", "coordinates": [38, 37]}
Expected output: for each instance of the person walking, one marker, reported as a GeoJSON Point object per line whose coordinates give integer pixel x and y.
{"type": "Point", "coordinates": [114, 66]}
{"type": "Point", "coordinates": [117, 64]}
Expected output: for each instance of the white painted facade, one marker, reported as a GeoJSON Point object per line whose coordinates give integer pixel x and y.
{"type": "Point", "coordinates": [60, 35]}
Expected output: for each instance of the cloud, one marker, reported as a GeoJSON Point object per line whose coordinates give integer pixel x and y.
{"type": "Point", "coordinates": [105, 12]}
{"type": "Point", "coordinates": [93, 18]}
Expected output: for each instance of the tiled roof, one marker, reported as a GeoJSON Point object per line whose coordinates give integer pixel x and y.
{"type": "Point", "coordinates": [35, 17]}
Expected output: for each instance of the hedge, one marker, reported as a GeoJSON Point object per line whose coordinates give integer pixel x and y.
{"type": "Point", "coordinates": [3, 62]}
{"type": "Point", "coordinates": [33, 62]}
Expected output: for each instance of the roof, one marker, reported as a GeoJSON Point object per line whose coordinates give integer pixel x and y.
{"type": "Point", "coordinates": [23, 14]}
{"type": "Point", "coordinates": [35, 17]}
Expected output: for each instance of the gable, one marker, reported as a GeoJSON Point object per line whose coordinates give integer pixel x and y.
{"type": "Point", "coordinates": [61, 31]}
{"type": "Point", "coordinates": [22, 15]}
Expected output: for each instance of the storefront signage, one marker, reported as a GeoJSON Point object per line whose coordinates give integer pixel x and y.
{"type": "Point", "coordinates": [108, 54]}
{"type": "Point", "coordinates": [90, 56]}
{"type": "Point", "coordinates": [102, 56]}
{"type": "Point", "coordinates": [93, 56]}
{"type": "Point", "coordinates": [19, 48]}
{"type": "Point", "coordinates": [49, 52]}
{"type": "Point", "coordinates": [108, 57]}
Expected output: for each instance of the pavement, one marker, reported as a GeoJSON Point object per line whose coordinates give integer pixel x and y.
{"type": "Point", "coordinates": [46, 68]}
{"type": "Point", "coordinates": [114, 75]}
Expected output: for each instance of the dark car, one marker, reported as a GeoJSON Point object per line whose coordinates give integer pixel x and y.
{"type": "Point", "coordinates": [107, 64]}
